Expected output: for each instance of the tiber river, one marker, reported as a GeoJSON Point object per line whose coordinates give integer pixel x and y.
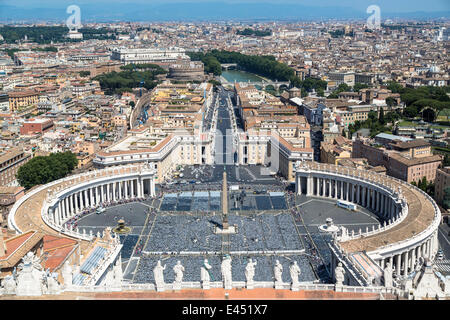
{"type": "Point", "coordinates": [240, 76]}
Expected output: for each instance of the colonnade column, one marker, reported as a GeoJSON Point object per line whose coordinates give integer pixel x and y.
{"type": "Point", "coordinates": [382, 263]}
{"type": "Point", "coordinates": [372, 199]}
{"type": "Point", "coordinates": [364, 194]}
{"type": "Point", "coordinates": [97, 198]}
{"type": "Point", "coordinates": [139, 188]}
{"type": "Point", "coordinates": [85, 199]}
{"type": "Point", "coordinates": [357, 194]}
{"type": "Point", "coordinates": [66, 207]}
{"type": "Point", "coordinates": [56, 215]}
{"type": "Point", "coordinates": [335, 189]}
{"type": "Point", "coordinates": [59, 212]}
{"type": "Point", "coordinates": [405, 264]}
{"type": "Point", "coordinates": [70, 205]}
{"type": "Point", "coordinates": [132, 188]}
{"type": "Point", "coordinates": [91, 193]}
{"type": "Point", "coordinates": [330, 188]}
{"type": "Point", "coordinates": [398, 262]}
{"type": "Point", "coordinates": [348, 191]}
{"type": "Point", "coordinates": [152, 187]}
{"type": "Point", "coordinates": [386, 206]}
{"type": "Point", "coordinates": [378, 201]}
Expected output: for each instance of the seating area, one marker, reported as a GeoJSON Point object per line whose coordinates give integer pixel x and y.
{"type": "Point", "coordinates": [195, 233]}
{"type": "Point", "coordinates": [204, 201]}
{"type": "Point", "coordinates": [192, 265]}
{"type": "Point", "coordinates": [128, 242]}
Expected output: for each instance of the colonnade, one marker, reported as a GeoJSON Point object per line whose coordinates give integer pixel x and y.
{"type": "Point", "coordinates": [96, 193]}
{"type": "Point", "coordinates": [378, 199]}
{"type": "Point", "coordinates": [366, 195]}
{"type": "Point", "coordinates": [405, 261]}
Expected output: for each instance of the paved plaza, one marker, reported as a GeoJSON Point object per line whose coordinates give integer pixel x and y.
{"type": "Point", "coordinates": [180, 226]}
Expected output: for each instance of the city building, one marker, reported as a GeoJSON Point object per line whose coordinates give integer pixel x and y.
{"type": "Point", "coordinates": [187, 71]}
{"type": "Point", "coordinates": [340, 148]}
{"type": "Point", "coordinates": [20, 99]}
{"type": "Point", "coordinates": [409, 161]}
{"type": "Point", "coordinates": [441, 183]}
{"type": "Point", "coordinates": [10, 161]}
{"type": "Point", "coordinates": [36, 126]}
{"type": "Point", "coordinates": [160, 56]}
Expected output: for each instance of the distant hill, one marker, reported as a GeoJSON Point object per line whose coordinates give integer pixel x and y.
{"type": "Point", "coordinates": [197, 11]}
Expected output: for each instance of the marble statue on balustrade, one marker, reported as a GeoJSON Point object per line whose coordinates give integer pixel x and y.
{"type": "Point", "coordinates": [67, 274]}
{"type": "Point", "coordinates": [108, 279]}
{"type": "Point", "coordinates": [158, 273]}
{"type": "Point", "coordinates": [387, 273]}
{"type": "Point", "coordinates": [9, 284]}
{"type": "Point", "coordinates": [178, 269]}
{"type": "Point", "coordinates": [250, 273]}
{"type": "Point", "coordinates": [30, 278]}
{"type": "Point", "coordinates": [278, 272]}
{"type": "Point", "coordinates": [339, 274]}
{"type": "Point", "coordinates": [428, 284]}
{"type": "Point", "coordinates": [344, 233]}
{"type": "Point", "coordinates": [226, 272]}
{"type": "Point", "coordinates": [204, 274]}
{"type": "Point", "coordinates": [107, 235]}
{"type": "Point", "coordinates": [53, 286]}
{"type": "Point", "coordinates": [295, 271]}
{"type": "Point", "coordinates": [118, 273]}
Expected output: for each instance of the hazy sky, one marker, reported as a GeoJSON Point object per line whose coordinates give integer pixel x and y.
{"type": "Point", "coordinates": [398, 6]}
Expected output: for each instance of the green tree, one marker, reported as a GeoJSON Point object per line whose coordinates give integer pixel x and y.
{"type": "Point", "coordinates": [381, 116]}
{"type": "Point", "coordinates": [131, 76]}
{"type": "Point", "coordinates": [446, 162]}
{"type": "Point", "coordinates": [372, 116]}
{"type": "Point", "coordinates": [392, 116]}
{"type": "Point", "coordinates": [395, 87]}
{"type": "Point", "coordinates": [41, 170]}
{"type": "Point", "coordinates": [410, 112]}
{"type": "Point", "coordinates": [358, 86]}
{"type": "Point", "coordinates": [391, 102]}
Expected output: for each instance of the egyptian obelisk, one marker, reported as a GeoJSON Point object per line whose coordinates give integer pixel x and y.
{"type": "Point", "coordinates": [224, 201]}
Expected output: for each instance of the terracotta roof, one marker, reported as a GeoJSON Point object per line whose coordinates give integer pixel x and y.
{"type": "Point", "coordinates": [411, 144]}
{"type": "Point", "coordinates": [414, 161]}
{"type": "Point", "coordinates": [10, 154]}
{"type": "Point", "coordinates": [53, 242]}
{"type": "Point", "coordinates": [18, 246]}
{"type": "Point", "coordinates": [56, 258]}
{"type": "Point", "coordinates": [158, 147]}
{"type": "Point", "coordinates": [10, 190]}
